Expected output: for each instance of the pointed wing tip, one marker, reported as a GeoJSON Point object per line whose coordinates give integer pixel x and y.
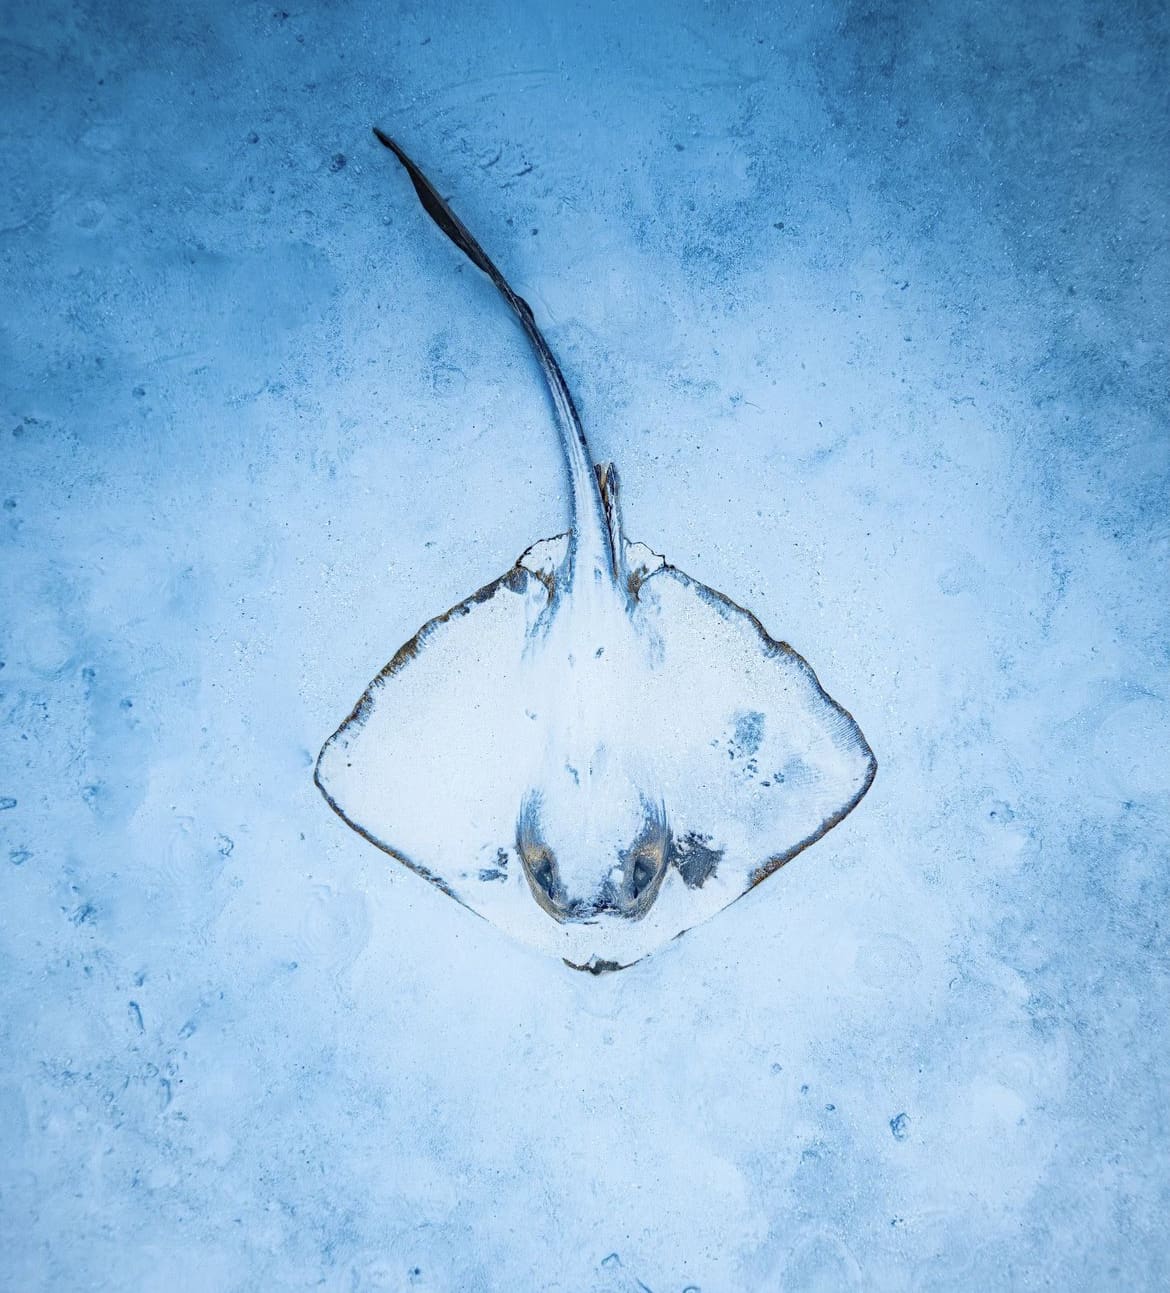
{"type": "Point", "coordinates": [871, 766]}
{"type": "Point", "coordinates": [321, 775]}
{"type": "Point", "coordinates": [868, 765]}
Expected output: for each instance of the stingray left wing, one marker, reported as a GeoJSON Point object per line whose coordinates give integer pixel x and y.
{"type": "Point", "coordinates": [429, 765]}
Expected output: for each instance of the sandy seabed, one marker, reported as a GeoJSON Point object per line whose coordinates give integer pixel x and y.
{"type": "Point", "coordinates": [868, 303]}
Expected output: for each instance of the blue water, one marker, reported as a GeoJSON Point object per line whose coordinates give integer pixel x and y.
{"type": "Point", "coordinates": [868, 303]}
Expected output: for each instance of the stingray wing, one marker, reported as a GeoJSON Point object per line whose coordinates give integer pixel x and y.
{"type": "Point", "coordinates": [435, 759]}
{"type": "Point", "coordinates": [756, 761]}
{"type": "Point", "coordinates": [423, 767]}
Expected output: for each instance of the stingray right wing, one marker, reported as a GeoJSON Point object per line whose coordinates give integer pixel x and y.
{"type": "Point", "coordinates": [757, 761]}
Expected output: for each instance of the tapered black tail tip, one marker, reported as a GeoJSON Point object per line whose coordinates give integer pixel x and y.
{"type": "Point", "coordinates": [384, 139]}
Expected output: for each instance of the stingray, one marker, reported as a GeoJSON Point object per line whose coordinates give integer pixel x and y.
{"type": "Point", "coordinates": [595, 751]}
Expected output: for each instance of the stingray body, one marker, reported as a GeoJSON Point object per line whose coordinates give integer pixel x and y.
{"type": "Point", "coordinates": [595, 752]}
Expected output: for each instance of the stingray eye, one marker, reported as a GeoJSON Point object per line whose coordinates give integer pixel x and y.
{"type": "Point", "coordinates": [645, 864]}
{"type": "Point", "coordinates": [544, 879]}
{"type": "Point", "coordinates": [645, 873]}
{"type": "Point", "coordinates": [539, 861]}
{"type": "Point", "coordinates": [544, 874]}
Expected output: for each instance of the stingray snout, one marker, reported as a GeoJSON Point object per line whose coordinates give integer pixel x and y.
{"type": "Point", "coordinates": [590, 886]}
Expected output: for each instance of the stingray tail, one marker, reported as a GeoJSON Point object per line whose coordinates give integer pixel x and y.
{"type": "Point", "coordinates": [593, 541]}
